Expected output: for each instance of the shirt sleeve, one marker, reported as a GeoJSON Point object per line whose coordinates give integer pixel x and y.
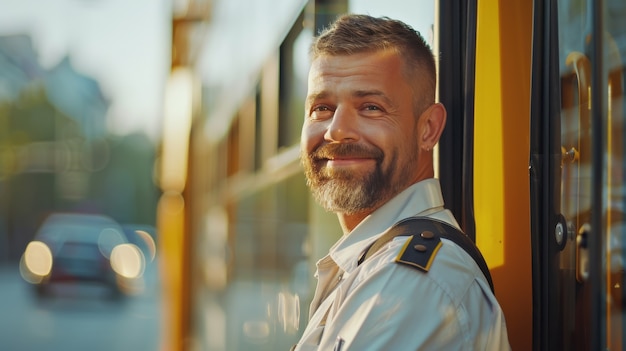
{"type": "Point", "coordinates": [399, 308]}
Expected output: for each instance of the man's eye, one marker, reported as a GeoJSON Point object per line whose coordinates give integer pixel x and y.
{"type": "Point", "coordinates": [373, 110]}
{"type": "Point", "coordinates": [321, 112]}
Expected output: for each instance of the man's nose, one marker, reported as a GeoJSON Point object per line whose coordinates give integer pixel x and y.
{"type": "Point", "coordinates": [343, 126]}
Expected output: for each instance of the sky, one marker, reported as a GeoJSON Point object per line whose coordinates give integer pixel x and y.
{"type": "Point", "coordinates": [124, 44]}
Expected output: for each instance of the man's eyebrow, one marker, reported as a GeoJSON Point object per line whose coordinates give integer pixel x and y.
{"type": "Point", "coordinates": [316, 96]}
{"type": "Point", "coordinates": [357, 93]}
{"type": "Point", "coordinates": [374, 92]}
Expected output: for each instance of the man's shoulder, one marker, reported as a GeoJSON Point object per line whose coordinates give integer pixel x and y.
{"type": "Point", "coordinates": [421, 259]}
{"type": "Point", "coordinates": [421, 240]}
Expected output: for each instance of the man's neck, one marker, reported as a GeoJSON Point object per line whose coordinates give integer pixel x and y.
{"type": "Point", "coordinates": [349, 221]}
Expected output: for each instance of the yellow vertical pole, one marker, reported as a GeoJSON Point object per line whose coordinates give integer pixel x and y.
{"type": "Point", "coordinates": [171, 216]}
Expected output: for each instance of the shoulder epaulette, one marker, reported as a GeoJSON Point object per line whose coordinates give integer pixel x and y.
{"type": "Point", "coordinates": [424, 242]}
{"type": "Point", "coordinates": [420, 250]}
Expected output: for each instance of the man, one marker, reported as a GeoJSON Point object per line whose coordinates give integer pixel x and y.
{"type": "Point", "coordinates": [370, 126]}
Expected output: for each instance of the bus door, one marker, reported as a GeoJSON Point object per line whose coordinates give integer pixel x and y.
{"type": "Point", "coordinates": [577, 174]}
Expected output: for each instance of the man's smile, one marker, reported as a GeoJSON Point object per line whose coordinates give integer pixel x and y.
{"type": "Point", "coordinates": [345, 155]}
{"type": "Point", "coordinates": [348, 161]}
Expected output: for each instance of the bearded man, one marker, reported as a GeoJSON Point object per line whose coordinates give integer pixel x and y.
{"type": "Point", "coordinates": [371, 122]}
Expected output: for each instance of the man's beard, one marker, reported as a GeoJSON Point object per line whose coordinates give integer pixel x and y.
{"type": "Point", "coordinates": [347, 192]}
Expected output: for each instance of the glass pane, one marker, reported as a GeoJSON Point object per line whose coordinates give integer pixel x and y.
{"type": "Point", "coordinates": [576, 141]}
{"type": "Point", "coordinates": [615, 177]}
{"type": "Point", "coordinates": [575, 27]}
{"type": "Point", "coordinates": [294, 62]}
{"type": "Point", "coordinates": [418, 14]}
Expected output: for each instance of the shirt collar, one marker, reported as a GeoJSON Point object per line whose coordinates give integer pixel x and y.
{"type": "Point", "coordinates": [421, 197]}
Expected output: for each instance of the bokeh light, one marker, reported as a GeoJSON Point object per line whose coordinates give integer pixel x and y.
{"type": "Point", "coordinates": [36, 262]}
{"type": "Point", "coordinates": [109, 239]}
{"type": "Point", "coordinates": [128, 261]}
{"type": "Point", "coordinates": [38, 258]}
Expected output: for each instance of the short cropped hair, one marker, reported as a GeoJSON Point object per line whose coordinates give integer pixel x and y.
{"type": "Point", "coordinates": [352, 34]}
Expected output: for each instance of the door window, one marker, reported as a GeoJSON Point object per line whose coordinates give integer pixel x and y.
{"type": "Point", "coordinates": [578, 182]}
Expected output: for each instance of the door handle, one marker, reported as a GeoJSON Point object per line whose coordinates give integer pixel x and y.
{"type": "Point", "coordinates": [582, 67]}
{"type": "Point", "coordinates": [582, 253]}
{"type": "Point", "coordinates": [581, 152]}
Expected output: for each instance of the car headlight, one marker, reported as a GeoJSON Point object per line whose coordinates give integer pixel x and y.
{"type": "Point", "coordinates": [128, 261]}
{"type": "Point", "coordinates": [36, 262]}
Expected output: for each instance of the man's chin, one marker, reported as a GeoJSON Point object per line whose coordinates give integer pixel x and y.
{"type": "Point", "coordinates": [348, 198]}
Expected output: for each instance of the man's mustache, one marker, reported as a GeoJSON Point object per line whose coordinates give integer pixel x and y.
{"type": "Point", "coordinates": [331, 151]}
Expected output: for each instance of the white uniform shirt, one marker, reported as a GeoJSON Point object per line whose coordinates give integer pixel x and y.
{"type": "Point", "coordinates": [383, 305]}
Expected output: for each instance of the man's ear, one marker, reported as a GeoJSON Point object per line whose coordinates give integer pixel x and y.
{"type": "Point", "coordinates": [432, 121]}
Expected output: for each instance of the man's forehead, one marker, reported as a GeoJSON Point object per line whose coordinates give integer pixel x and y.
{"type": "Point", "coordinates": [370, 68]}
{"type": "Point", "coordinates": [326, 58]}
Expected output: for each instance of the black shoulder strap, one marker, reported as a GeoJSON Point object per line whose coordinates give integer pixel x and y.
{"type": "Point", "coordinates": [418, 228]}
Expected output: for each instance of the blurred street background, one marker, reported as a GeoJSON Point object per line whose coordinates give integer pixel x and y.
{"type": "Point", "coordinates": [81, 100]}
{"type": "Point", "coordinates": [77, 317]}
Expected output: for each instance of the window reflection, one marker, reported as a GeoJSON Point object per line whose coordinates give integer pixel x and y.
{"type": "Point", "coordinates": [575, 66]}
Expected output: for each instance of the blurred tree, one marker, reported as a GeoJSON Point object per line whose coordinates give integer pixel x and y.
{"type": "Point", "coordinates": [125, 188]}
{"type": "Point", "coordinates": [30, 160]}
